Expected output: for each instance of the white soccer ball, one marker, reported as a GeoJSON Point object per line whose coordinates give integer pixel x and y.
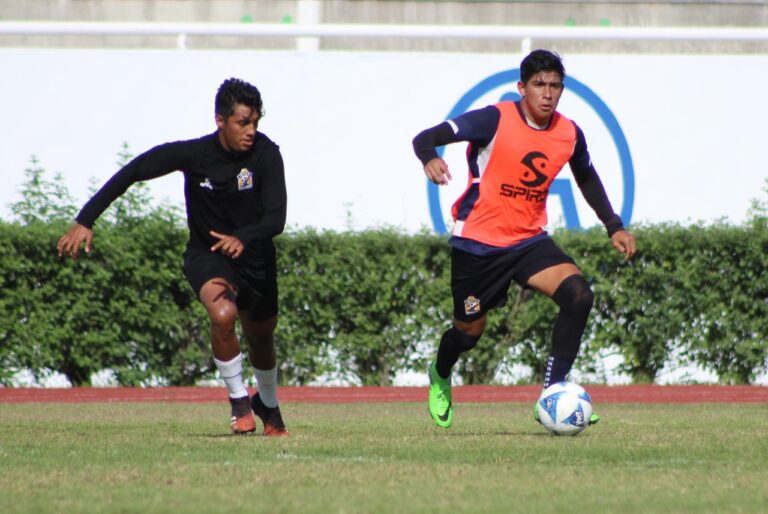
{"type": "Point", "coordinates": [564, 408]}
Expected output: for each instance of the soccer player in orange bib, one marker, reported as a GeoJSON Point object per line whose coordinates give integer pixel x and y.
{"type": "Point", "coordinates": [515, 151]}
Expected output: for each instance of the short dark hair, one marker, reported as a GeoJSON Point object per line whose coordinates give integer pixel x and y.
{"type": "Point", "coordinates": [235, 91]}
{"type": "Point", "coordinates": [538, 61]}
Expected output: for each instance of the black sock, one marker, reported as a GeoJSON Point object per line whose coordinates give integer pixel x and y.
{"type": "Point", "coordinates": [575, 298]}
{"type": "Point", "coordinates": [453, 343]}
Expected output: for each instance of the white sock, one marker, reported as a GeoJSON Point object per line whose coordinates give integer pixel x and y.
{"type": "Point", "coordinates": [266, 381]}
{"type": "Point", "coordinates": [232, 373]}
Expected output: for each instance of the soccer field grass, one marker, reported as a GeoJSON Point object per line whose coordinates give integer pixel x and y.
{"type": "Point", "coordinates": [384, 457]}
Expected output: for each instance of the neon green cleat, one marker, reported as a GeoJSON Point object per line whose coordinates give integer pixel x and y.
{"type": "Point", "coordinates": [536, 412]}
{"type": "Point", "coordinates": [593, 419]}
{"type": "Point", "coordinates": [440, 405]}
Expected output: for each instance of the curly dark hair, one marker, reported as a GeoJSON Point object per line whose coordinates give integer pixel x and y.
{"type": "Point", "coordinates": [538, 61]}
{"type": "Point", "coordinates": [235, 91]}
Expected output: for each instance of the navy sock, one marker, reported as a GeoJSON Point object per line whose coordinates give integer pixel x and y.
{"type": "Point", "coordinates": [557, 370]}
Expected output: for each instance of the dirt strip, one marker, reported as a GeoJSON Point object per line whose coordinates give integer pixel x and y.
{"type": "Point", "coordinates": [476, 394]}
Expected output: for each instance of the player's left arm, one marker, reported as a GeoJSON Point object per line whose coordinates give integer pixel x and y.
{"type": "Point", "coordinates": [625, 243]}
{"type": "Point", "coordinates": [274, 200]}
{"type": "Point", "coordinates": [594, 193]}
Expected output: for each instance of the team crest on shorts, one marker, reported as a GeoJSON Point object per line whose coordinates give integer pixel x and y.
{"type": "Point", "coordinates": [471, 305]}
{"type": "Point", "coordinates": [244, 180]}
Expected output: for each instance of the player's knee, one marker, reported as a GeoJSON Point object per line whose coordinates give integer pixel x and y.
{"type": "Point", "coordinates": [583, 300]}
{"type": "Point", "coordinates": [574, 295]}
{"type": "Point", "coordinates": [464, 341]}
{"type": "Point", "coordinates": [258, 333]}
{"type": "Point", "coordinates": [474, 328]}
{"type": "Point", "coordinates": [223, 316]}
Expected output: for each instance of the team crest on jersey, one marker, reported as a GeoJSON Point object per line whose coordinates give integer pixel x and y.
{"type": "Point", "coordinates": [244, 180]}
{"type": "Point", "coordinates": [471, 305]}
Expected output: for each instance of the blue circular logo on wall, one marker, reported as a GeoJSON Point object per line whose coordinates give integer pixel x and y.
{"type": "Point", "coordinates": [560, 187]}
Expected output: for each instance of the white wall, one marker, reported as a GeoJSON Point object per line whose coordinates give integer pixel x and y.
{"type": "Point", "coordinates": [344, 121]}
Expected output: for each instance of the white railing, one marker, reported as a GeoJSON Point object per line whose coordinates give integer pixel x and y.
{"type": "Point", "coordinates": [315, 30]}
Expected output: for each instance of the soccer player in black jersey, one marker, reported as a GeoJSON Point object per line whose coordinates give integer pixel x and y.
{"type": "Point", "coordinates": [234, 187]}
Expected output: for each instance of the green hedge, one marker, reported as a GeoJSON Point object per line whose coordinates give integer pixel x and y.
{"type": "Point", "coordinates": [365, 305]}
{"type": "Point", "coordinates": [371, 304]}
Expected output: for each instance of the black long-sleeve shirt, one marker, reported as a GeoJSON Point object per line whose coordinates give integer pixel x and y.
{"type": "Point", "coordinates": [240, 194]}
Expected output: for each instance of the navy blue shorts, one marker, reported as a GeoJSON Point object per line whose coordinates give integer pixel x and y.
{"type": "Point", "coordinates": [253, 275]}
{"type": "Point", "coordinates": [480, 283]}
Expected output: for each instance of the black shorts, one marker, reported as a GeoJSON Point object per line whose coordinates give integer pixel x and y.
{"type": "Point", "coordinates": [480, 283]}
{"type": "Point", "coordinates": [253, 275]}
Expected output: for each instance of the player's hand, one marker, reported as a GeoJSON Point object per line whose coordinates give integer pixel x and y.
{"type": "Point", "coordinates": [437, 171]}
{"type": "Point", "coordinates": [228, 245]}
{"type": "Point", "coordinates": [624, 242]}
{"type": "Point", "coordinates": [69, 243]}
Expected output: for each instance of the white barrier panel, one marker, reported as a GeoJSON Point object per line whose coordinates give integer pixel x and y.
{"type": "Point", "coordinates": [675, 138]}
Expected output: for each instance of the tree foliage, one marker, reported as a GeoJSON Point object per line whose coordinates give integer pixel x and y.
{"type": "Point", "coordinates": [42, 200]}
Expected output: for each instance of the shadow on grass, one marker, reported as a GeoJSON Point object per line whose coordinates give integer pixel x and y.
{"type": "Point", "coordinates": [499, 433]}
{"type": "Point", "coordinates": [225, 436]}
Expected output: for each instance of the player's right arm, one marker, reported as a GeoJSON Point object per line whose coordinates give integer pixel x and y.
{"type": "Point", "coordinates": [154, 163]}
{"type": "Point", "coordinates": [478, 127]}
{"type": "Point", "coordinates": [425, 146]}
{"type": "Point", "coordinates": [437, 171]}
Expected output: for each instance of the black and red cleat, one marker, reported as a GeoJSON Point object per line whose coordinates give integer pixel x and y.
{"type": "Point", "coordinates": [272, 419]}
{"type": "Point", "coordinates": [242, 420]}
